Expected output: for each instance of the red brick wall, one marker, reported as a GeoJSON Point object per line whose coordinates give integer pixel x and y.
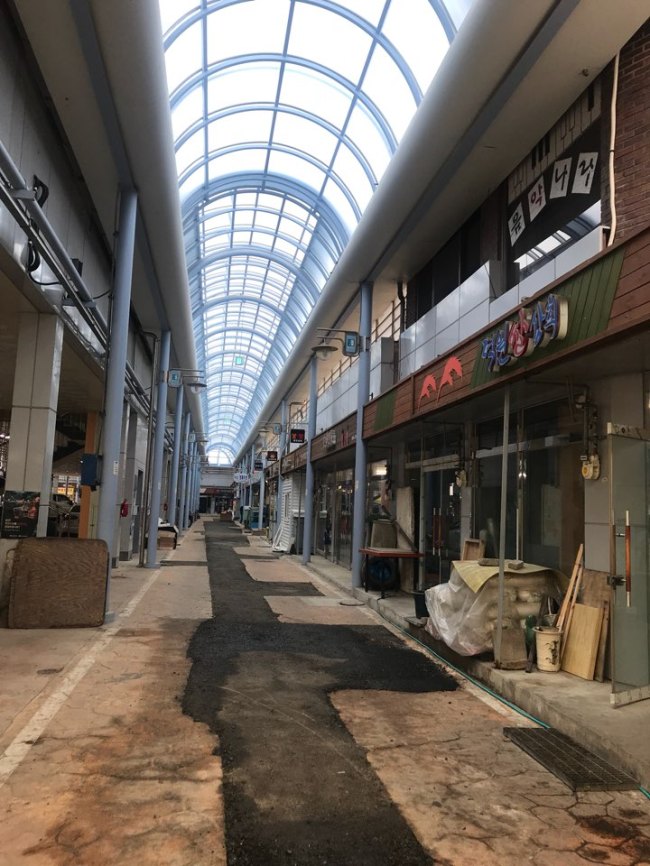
{"type": "Point", "coordinates": [632, 146]}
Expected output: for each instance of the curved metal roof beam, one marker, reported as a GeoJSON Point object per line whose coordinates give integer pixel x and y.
{"type": "Point", "coordinates": [210, 156]}
{"type": "Point", "coordinates": [197, 79]}
{"type": "Point", "coordinates": [211, 303]}
{"type": "Point", "coordinates": [252, 250]}
{"type": "Point", "coordinates": [278, 108]}
{"type": "Point", "coordinates": [259, 182]}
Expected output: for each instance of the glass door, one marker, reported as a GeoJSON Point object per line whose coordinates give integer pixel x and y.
{"type": "Point", "coordinates": [629, 450]}
{"type": "Point", "coordinates": [443, 498]}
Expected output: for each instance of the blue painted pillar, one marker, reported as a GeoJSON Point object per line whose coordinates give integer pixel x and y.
{"type": "Point", "coordinates": [183, 471]}
{"type": "Point", "coordinates": [172, 509]}
{"type": "Point", "coordinates": [158, 449]}
{"type": "Point", "coordinates": [116, 371]}
{"type": "Point", "coordinates": [360, 454]}
{"type": "Point", "coordinates": [308, 523]}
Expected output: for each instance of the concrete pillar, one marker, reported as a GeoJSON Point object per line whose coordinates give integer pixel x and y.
{"type": "Point", "coordinates": [360, 453]}
{"type": "Point", "coordinates": [115, 374]}
{"type": "Point", "coordinates": [308, 523]}
{"type": "Point", "coordinates": [176, 456]}
{"type": "Point", "coordinates": [158, 449]}
{"type": "Point", "coordinates": [33, 411]}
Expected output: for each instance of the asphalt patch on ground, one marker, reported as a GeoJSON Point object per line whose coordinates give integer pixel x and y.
{"type": "Point", "coordinates": [298, 790]}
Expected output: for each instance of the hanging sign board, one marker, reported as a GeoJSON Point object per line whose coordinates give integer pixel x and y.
{"type": "Point", "coordinates": [297, 436]}
{"type": "Point", "coordinates": [351, 344]}
{"type": "Point", "coordinates": [240, 478]}
{"type": "Point", "coordinates": [174, 378]}
{"type": "Point", "coordinates": [271, 456]}
{"type": "Point", "coordinates": [20, 513]}
{"type": "Point", "coordinates": [535, 327]}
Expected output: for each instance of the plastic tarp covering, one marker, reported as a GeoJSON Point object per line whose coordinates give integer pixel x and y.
{"type": "Point", "coordinates": [465, 619]}
{"type": "Point", "coordinates": [459, 617]}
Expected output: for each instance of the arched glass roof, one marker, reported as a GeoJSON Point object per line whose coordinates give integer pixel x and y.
{"type": "Point", "coordinates": [285, 114]}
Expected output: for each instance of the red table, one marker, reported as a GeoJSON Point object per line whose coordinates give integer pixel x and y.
{"type": "Point", "coordinates": [385, 553]}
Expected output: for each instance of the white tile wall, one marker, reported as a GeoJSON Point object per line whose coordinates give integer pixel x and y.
{"type": "Point", "coordinates": [448, 311]}
{"type": "Point", "coordinates": [448, 339]}
{"type": "Point", "coordinates": [501, 306]}
{"type": "Point", "coordinates": [475, 320]}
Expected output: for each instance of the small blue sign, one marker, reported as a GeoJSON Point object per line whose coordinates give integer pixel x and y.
{"type": "Point", "coordinates": [351, 343]}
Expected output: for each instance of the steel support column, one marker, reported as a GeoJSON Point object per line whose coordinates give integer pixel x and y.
{"type": "Point", "coordinates": [172, 510]}
{"type": "Point", "coordinates": [360, 453]}
{"type": "Point", "coordinates": [184, 468]}
{"type": "Point", "coordinates": [308, 522]}
{"type": "Point", "coordinates": [116, 371]}
{"type": "Point", "coordinates": [158, 449]}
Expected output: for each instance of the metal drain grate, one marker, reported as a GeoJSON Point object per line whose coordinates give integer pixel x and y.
{"type": "Point", "coordinates": [574, 765]}
{"type": "Point", "coordinates": [173, 562]}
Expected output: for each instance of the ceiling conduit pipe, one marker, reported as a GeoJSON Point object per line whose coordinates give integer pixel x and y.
{"type": "Point", "coordinates": [38, 229]}
{"type": "Point", "coordinates": [21, 192]}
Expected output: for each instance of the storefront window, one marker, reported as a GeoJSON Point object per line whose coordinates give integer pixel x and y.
{"type": "Point", "coordinates": [343, 517]}
{"type": "Point", "coordinates": [545, 491]}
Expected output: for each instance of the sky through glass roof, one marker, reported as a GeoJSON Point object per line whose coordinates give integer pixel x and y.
{"type": "Point", "coordinates": [285, 114]}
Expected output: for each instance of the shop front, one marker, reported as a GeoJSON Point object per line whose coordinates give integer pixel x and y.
{"type": "Point", "coordinates": [569, 367]}
{"type": "Point", "coordinates": [333, 458]}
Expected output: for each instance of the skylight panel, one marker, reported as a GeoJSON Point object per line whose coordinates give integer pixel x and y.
{"type": "Point", "coordinates": [366, 135]}
{"type": "Point", "coordinates": [398, 105]}
{"type": "Point", "coordinates": [291, 163]}
{"type": "Point", "coordinates": [422, 47]}
{"type": "Point", "coordinates": [238, 128]}
{"type": "Point", "coordinates": [338, 45]}
{"type": "Point", "coordinates": [247, 83]}
{"type": "Point", "coordinates": [190, 152]}
{"type": "Point", "coordinates": [308, 88]}
{"type": "Point", "coordinates": [298, 167]}
{"type": "Point", "coordinates": [183, 57]}
{"type": "Point", "coordinates": [251, 159]}
{"type": "Point", "coordinates": [187, 112]}
{"type": "Point", "coordinates": [306, 134]}
{"type": "Point", "coordinates": [247, 28]}
{"type": "Point", "coordinates": [172, 11]}
{"type": "Point", "coordinates": [349, 169]}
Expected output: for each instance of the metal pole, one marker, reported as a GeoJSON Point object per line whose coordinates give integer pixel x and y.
{"type": "Point", "coordinates": [422, 540]}
{"type": "Point", "coordinates": [308, 523]}
{"type": "Point", "coordinates": [114, 399]}
{"type": "Point", "coordinates": [502, 527]}
{"type": "Point", "coordinates": [360, 453]}
{"type": "Point", "coordinates": [183, 493]}
{"type": "Point", "coordinates": [188, 488]}
{"type": "Point", "coordinates": [283, 444]}
{"type": "Point", "coordinates": [158, 448]}
{"type": "Point", "coordinates": [260, 517]}
{"type": "Point", "coordinates": [176, 454]}
{"type": "Point", "coordinates": [195, 486]}
{"type": "Point", "coordinates": [144, 508]}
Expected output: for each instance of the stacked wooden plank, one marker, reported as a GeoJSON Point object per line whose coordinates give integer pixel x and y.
{"type": "Point", "coordinates": [584, 624]}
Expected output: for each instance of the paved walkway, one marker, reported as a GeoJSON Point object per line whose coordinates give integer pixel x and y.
{"type": "Point", "coordinates": [305, 703]}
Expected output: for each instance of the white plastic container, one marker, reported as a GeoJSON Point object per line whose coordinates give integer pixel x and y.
{"type": "Point", "coordinates": [547, 641]}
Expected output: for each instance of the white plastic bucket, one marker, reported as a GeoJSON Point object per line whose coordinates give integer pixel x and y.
{"type": "Point", "coordinates": [547, 641]}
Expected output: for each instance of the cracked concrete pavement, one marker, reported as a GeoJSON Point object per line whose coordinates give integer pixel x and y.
{"type": "Point", "coordinates": [121, 775]}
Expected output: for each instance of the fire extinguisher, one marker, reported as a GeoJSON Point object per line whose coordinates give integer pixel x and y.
{"type": "Point", "coordinates": [124, 508]}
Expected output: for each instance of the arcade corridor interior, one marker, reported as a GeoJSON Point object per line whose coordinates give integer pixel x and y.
{"type": "Point", "coordinates": [324, 414]}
